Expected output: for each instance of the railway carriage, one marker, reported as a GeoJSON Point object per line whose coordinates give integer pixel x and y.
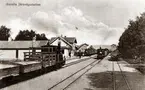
{"type": "Point", "coordinates": [90, 51]}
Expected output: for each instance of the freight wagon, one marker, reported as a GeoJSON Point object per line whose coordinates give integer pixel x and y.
{"type": "Point", "coordinates": [48, 57]}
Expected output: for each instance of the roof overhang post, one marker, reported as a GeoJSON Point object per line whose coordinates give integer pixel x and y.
{"type": "Point", "coordinates": [17, 53]}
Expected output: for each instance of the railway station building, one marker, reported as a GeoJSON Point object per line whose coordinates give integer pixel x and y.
{"type": "Point", "coordinates": [15, 49]}
{"type": "Point", "coordinates": [83, 47]}
{"type": "Point", "coordinates": [67, 43]}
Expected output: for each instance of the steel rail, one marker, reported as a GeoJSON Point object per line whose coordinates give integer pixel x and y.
{"type": "Point", "coordinates": [124, 77]}
{"type": "Point", "coordinates": [80, 76]}
{"type": "Point", "coordinates": [113, 77]}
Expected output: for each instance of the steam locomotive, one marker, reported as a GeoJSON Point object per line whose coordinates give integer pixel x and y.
{"type": "Point", "coordinates": [101, 53]}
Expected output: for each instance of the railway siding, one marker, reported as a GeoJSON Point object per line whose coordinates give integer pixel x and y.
{"type": "Point", "coordinates": [134, 80]}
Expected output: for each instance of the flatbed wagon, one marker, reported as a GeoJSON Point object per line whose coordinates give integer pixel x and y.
{"type": "Point", "coordinates": [48, 57]}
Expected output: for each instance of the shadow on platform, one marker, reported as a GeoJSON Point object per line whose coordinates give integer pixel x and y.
{"type": "Point", "coordinates": [24, 77]}
{"type": "Point", "coordinates": [104, 80]}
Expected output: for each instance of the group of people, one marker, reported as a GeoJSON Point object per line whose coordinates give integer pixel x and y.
{"type": "Point", "coordinates": [78, 54]}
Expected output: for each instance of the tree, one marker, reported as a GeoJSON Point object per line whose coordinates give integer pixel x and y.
{"type": "Point", "coordinates": [4, 33]}
{"type": "Point", "coordinates": [133, 37]}
{"type": "Point", "coordinates": [25, 35]}
{"type": "Point", "coordinates": [41, 37]}
{"type": "Point", "coordinates": [28, 35]}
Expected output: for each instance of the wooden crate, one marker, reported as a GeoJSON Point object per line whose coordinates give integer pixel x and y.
{"type": "Point", "coordinates": [29, 66]}
{"type": "Point", "coordinates": [8, 70]}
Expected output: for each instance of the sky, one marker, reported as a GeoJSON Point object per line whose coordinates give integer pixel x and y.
{"type": "Point", "coordinates": [90, 21]}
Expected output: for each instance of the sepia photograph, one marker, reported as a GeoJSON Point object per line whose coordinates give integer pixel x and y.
{"type": "Point", "coordinates": [72, 44]}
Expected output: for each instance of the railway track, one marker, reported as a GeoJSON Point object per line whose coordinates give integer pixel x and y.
{"type": "Point", "coordinates": [113, 77]}
{"type": "Point", "coordinates": [35, 74]}
{"type": "Point", "coordinates": [123, 76]}
{"type": "Point", "coordinates": [84, 69]}
{"type": "Point", "coordinates": [75, 62]}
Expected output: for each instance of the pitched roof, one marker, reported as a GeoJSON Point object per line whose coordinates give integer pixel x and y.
{"type": "Point", "coordinates": [69, 40]}
{"type": "Point", "coordinates": [53, 39]}
{"type": "Point", "coordinates": [83, 45]}
{"type": "Point", "coordinates": [22, 44]}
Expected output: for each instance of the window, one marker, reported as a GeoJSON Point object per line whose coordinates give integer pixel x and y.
{"type": "Point", "coordinates": [50, 49]}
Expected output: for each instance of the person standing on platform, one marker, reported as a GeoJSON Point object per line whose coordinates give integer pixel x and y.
{"type": "Point", "coordinates": [80, 54]}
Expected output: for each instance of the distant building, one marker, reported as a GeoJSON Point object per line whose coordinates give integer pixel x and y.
{"type": "Point", "coordinates": [113, 47]}
{"type": "Point", "coordinates": [16, 49]}
{"type": "Point", "coordinates": [67, 43]}
{"type": "Point", "coordinates": [82, 47]}
{"type": "Point", "coordinates": [102, 46]}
